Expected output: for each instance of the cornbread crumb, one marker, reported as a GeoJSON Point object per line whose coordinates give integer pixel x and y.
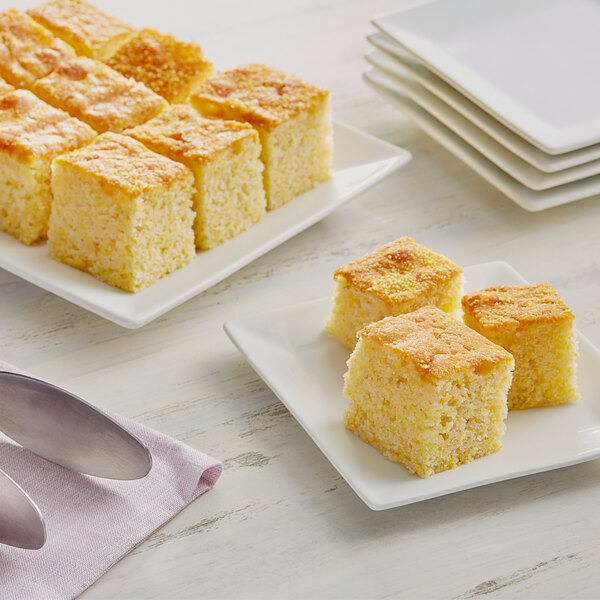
{"type": "Point", "coordinates": [224, 157]}
{"type": "Point", "coordinates": [98, 95]}
{"type": "Point", "coordinates": [168, 66]}
{"type": "Point", "coordinates": [32, 133]}
{"type": "Point", "coordinates": [292, 117]}
{"type": "Point", "coordinates": [538, 328]}
{"type": "Point", "coordinates": [395, 279]}
{"type": "Point", "coordinates": [426, 391]}
{"type": "Point", "coordinates": [121, 212]}
{"type": "Point", "coordinates": [89, 30]}
{"type": "Point", "coordinates": [28, 51]}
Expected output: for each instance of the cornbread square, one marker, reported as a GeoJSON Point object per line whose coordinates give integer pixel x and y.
{"type": "Point", "coordinates": [32, 133]}
{"type": "Point", "coordinates": [538, 328]}
{"type": "Point", "coordinates": [98, 95]}
{"type": "Point", "coordinates": [28, 51]}
{"type": "Point", "coordinates": [426, 391]}
{"type": "Point", "coordinates": [168, 66]}
{"type": "Point", "coordinates": [225, 159]}
{"type": "Point", "coordinates": [89, 30]}
{"type": "Point", "coordinates": [121, 212]}
{"type": "Point", "coordinates": [292, 117]}
{"type": "Point", "coordinates": [392, 280]}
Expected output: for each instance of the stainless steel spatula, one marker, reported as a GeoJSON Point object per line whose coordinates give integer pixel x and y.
{"type": "Point", "coordinates": [66, 430]}
{"type": "Point", "coordinates": [21, 522]}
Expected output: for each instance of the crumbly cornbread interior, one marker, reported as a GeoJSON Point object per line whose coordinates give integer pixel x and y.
{"type": "Point", "coordinates": [225, 159]}
{"type": "Point", "coordinates": [89, 30]}
{"type": "Point", "coordinates": [32, 133]}
{"type": "Point", "coordinates": [121, 212]}
{"type": "Point", "coordinates": [427, 392]}
{"type": "Point", "coordinates": [292, 117]}
{"type": "Point", "coordinates": [537, 327]}
{"type": "Point", "coordinates": [397, 278]}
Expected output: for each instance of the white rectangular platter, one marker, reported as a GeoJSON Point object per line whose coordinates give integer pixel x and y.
{"type": "Point", "coordinates": [360, 160]}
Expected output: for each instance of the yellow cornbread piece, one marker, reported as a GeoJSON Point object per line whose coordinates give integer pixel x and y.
{"type": "Point", "coordinates": [292, 117]}
{"type": "Point", "coordinates": [121, 212]}
{"type": "Point", "coordinates": [538, 328]}
{"type": "Point", "coordinates": [426, 391]}
{"type": "Point", "coordinates": [90, 31]}
{"type": "Point", "coordinates": [394, 279]}
{"type": "Point", "coordinates": [225, 159]}
{"type": "Point", "coordinates": [98, 95]}
{"type": "Point", "coordinates": [32, 134]}
{"type": "Point", "coordinates": [166, 65]}
{"type": "Point", "coordinates": [28, 51]}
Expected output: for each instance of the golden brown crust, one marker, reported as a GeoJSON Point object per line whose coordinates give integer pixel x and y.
{"type": "Point", "coordinates": [28, 50]}
{"type": "Point", "coordinates": [5, 87]}
{"type": "Point", "coordinates": [168, 66]}
{"type": "Point", "coordinates": [257, 94]}
{"type": "Point", "coordinates": [398, 271]}
{"type": "Point", "coordinates": [514, 306]}
{"type": "Point", "coordinates": [436, 344]}
{"type": "Point", "coordinates": [98, 95]}
{"type": "Point", "coordinates": [121, 162]}
{"type": "Point", "coordinates": [30, 128]}
{"type": "Point", "coordinates": [80, 24]}
{"type": "Point", "coordinates": [182, 134]}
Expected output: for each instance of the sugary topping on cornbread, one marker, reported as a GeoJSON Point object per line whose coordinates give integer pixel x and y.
{"type": "Point", "coordinates": [98, 95]}
{"type": "Point", "coordinates": [5, 87]}
{"type": "Point", "coordinates": [165, 64]}
{"type": "Point", "coordinates": [121, 162]}
{"type": "Point", "coordinates": [398, 271]}
{"type": "Point", "coordinates": [31, 128]}
{"type": "Point", "coordinates": [435, 343]}
{"type": "Point", "coordinates": [28, 50]}
{"type": "Point", "coordinates": [257, 94]}
{"type": "Point", "coordinates": [183, 134]}
{"type": "Point", "coordinates": [511, 307]}
{"type": "Point", "coordinates": [79, 22]}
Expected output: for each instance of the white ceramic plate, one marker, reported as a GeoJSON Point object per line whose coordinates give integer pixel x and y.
{"type": "Point", "coordinates": [525, 197]}
{"type": "Point", "coordinates": [533, 64]}
{"type": "Point", "coordinates": [304, 367]}
{"type": "Point", "coordinates": [406, 64]}
{"type": "Point", "coordinates": [360, 161]}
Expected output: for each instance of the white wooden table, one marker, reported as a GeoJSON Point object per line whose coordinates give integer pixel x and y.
{"type": "Point", "coordinates": [281, 522]}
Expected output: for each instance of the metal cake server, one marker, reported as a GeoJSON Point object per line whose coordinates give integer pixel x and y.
{"type": "Point", "coordinates": [21, 522]}
{"type": "Point", "coordinates": [66, 430]}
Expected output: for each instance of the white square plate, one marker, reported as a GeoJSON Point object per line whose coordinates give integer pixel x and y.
{"type": "Point", "coordinates": [303, 366]}
{"type": "Point", "coordinates": [409, 66]}
{"type": "Point", "coordinates": [360, 160]}
{"type": "Point", "coordinates": [525, 197]}
{"type": "Point", "coordinates": [508, 161]}
{"type": "Point", "coordinates": [530, 63]}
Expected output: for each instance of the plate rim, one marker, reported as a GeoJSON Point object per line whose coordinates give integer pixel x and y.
{"type": "Point", "coordinates": [548, 163]}
{"type": "Point", "coordinates": [510, 187]}
{"type": "Point", "coordinates": [470, 132]}
{"type": "Point", "coordinates": [550, 139]}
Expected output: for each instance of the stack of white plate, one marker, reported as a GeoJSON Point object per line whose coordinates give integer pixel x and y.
{"type": "Point", "coordinates": [512, 87]}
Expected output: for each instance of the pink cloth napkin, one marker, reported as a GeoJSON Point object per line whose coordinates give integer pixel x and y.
{"type": "Point", "coordinates": [92, 523]}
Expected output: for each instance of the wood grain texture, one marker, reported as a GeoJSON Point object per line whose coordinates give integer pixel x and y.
{"type": "Point", "coordinates": [281, 523]}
